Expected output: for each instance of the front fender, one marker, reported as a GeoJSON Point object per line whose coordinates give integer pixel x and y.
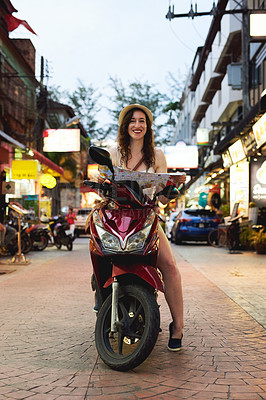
{"type": "Point", "coordinates": [144, 271]}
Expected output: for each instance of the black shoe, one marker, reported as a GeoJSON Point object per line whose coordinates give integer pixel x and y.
{"type": "Point", "coordinates": [174, 344]}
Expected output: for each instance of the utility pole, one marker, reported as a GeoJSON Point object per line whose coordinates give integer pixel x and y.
{"type": "Point", "coordinates": [245, 58]}
{"type": "Point", "coordinates": [42, 99]}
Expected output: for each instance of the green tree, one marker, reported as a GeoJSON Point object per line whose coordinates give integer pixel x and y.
{"type": "Point", "coordinates": [85, 101]}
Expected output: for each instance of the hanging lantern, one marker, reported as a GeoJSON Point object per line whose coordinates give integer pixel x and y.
{"type": "Point", "coordinates": [48, 181]}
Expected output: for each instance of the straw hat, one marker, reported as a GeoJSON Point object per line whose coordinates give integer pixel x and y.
{"type": "Point", "coordinates": [128, 108]}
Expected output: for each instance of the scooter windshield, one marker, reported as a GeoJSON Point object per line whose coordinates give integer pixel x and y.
{"type": "Point", "coordinates": [128, 192]}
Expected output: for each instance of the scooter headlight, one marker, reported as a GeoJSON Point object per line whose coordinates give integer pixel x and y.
{"type": "Point", "coordinates": [108, 240]}
{"type": "Point", "coordinates": [137, 241]}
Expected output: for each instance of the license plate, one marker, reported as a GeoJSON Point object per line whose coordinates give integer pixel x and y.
{"type": "Point", "coordinates": [201, 225]}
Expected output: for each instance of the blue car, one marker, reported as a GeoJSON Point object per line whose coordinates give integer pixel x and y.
{"type": "Point", "coordinates": [193, 225]}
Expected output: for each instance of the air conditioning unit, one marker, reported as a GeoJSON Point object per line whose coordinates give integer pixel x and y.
{"type": "Point", "coordinates": [234, 73]}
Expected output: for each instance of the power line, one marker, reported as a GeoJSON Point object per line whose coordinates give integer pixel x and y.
{"type": "Point", "coordinates": [180, 41]}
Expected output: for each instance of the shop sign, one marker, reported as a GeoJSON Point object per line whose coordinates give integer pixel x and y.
{"type": "Point", "coordinates": [249, 141]}
{"type": "Point", "coordinates": [203, 199]}
{"type": "Point", "coordinates": [237, 152]}
{"type": "Point", "coordinates": [227, 161]}
{"type": "Point", "coordinates": [48, 181]}
{"type": "Point", "coordinates": [202, 136]}
{"type": "Point", "coordinates": [259, 129]}
{"type": "Point", "coordinates": [31, 203]}
{"type": "Point", "coordinates": [257, 25]}
{"type": "Point", "coordinates": [61, 140]}
{"type": "Point", "coordinates": [24, 169]}
{"type": "Point", "coordinates": [8, 187]}
{"type": "Point", "coordinates": [239, 186]}
{"type": "Point", "coordinates": [181, 156]}
{"type": "Point", "coordinates": [258, 181]}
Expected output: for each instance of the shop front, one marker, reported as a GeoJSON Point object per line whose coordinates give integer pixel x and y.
{"type": "Point", "coordinates": [22, 173]}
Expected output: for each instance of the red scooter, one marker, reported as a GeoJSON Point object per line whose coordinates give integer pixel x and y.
{"type": "Point", "coordinates": [124, 248]}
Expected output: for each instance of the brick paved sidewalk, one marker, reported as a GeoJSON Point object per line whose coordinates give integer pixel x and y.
{"type": "Point", "coordinates": [47, 344]}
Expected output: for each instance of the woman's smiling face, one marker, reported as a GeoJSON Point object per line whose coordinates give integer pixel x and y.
{"type": "Point", "coordinates": [137, 127]}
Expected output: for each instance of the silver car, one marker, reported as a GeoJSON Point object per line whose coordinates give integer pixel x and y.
{"type": "Point", "coordinates": [82, 215]}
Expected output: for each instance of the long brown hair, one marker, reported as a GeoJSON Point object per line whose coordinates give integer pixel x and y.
{"type": "Point", "coordinates": [124, 140]}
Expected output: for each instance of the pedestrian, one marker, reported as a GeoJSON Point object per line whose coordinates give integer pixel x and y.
{"type": "Point", "coordinates": [70, 218]}
{"type": "Point", "coordinates": [136, 151]}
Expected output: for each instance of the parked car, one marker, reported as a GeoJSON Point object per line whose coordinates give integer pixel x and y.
{"type": "Point", "coordinates": [169, 223]}
{"type": "Point", "coordinates": [193, 224]}
{"type": "Point", "coordinates": [82, 215]}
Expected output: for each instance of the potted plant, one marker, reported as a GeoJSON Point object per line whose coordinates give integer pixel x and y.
{"type": "Point", "coordinates": [245, 237]}
{"type": "Point", "coordinates": [258, 240]}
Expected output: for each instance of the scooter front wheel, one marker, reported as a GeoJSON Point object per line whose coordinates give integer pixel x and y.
{"type": "Point", "coordinates": [137, 330]}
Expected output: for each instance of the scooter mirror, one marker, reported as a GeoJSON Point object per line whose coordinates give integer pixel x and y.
{"type": "Point", "coordinates": [102, 157]}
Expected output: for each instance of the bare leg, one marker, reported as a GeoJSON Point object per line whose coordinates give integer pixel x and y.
{"type": "Point", "coordinates": [172, 280]}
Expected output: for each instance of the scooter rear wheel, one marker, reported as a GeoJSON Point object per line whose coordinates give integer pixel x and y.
{"type": "Point", "coordinates": [70, 244]}
{"type": "Point", "coordinates": [137, 331]}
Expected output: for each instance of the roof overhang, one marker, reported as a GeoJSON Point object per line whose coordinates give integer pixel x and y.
{"type": "Point", "coordinates": [243, 127]}
{"type": "Point", "coordinates": [200, 112]}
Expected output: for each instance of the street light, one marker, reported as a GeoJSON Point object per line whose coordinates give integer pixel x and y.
{"type": "Point", "coordinates": [72, 121]}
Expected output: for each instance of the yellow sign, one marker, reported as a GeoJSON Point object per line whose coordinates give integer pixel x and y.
{"type": "Point", "coordinates": [24, 169]}
{"type": "Point", "coordinates": [259, 129]}
{"type": "Point", "coordinates": [48, 180]}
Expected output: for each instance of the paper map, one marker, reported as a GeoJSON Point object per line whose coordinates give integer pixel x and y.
{"type": "Point", "coordinates": [144, 179]}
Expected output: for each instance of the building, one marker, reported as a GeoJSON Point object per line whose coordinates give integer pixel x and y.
{"type": "Point", "coordinates": [27, 175]}
{"type": "Point", "coordinates": [223, 98]}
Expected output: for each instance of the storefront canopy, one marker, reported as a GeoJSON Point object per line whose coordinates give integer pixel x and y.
{"type": "Point", "coordinates": [56, 170]}
{"type": "Point", "coordinates": [50, 164]}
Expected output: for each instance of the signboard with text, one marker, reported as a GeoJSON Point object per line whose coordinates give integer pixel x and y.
{"type": "Point", "coordinates": [61, 140]}
{"type": "Point", "coordinates": [259, 129]}
{"type": "Point", "coordinates": [239, 186]}
{"type": "Point", "coordinates": [202, 136]}
{"type": "Point", "coordinates": [181, 156]}
{"type": "Point", "coordinates": [258, 181]}
{"type": "Point", "coordinates": [24, 169]}
{"type": "Point", "coordinates": [237, 152]}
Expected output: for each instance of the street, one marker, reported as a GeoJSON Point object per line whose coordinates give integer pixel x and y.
{"type": "Point", "coordinates": [47, 349]}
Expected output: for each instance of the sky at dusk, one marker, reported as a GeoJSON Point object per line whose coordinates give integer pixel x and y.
{"type": "Point", "coordinates": [91, 40]}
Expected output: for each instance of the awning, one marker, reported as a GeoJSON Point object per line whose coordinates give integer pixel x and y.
{"type": "Point", "coordinates": [55, 169]}
{"type": "Point", "coordinates": [50, 164]}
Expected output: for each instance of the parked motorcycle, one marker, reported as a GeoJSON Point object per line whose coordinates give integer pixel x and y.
{"type": "Point", "coordinates": [124, 248]}
{"type": "Point", "coordinates": [26, 243]}
{"type": "Point", "coordinates": [39, 235]}
{"type": "Point", "coordinates": [60, 233]}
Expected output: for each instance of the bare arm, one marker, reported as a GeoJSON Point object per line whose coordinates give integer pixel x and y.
{"type": "Point", "coordinates": [113, 154]}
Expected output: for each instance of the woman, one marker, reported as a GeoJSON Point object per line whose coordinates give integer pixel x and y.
{"type": "Point", "coordinates": [136, 151]}
{"type": "Point", "coordinates": [70, 219]}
